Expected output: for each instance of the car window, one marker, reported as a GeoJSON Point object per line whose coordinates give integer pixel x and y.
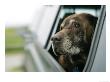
{"type": "Point", "coordinates": [66, 10]}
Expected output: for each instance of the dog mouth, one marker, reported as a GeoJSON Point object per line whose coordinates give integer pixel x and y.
{"type": "Point", "coordinates": [62, 48]}
{"type": "Point", "coordinates": [57, 49]}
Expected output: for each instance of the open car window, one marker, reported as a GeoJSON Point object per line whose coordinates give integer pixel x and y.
{"type": "Point", "coordinates": [63, 13]}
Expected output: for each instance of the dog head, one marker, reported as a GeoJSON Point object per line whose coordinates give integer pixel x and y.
{"type": "Point", "coordinates": [75, 34]}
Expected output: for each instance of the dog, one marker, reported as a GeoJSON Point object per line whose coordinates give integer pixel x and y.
{"type": "Point", "coordinates": [72, 43]}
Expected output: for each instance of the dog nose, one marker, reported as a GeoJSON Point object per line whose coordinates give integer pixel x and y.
{"type": "Point", "coordinates": [56, 38]}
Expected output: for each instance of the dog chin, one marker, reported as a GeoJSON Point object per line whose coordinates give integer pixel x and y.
{"type": "Point", "coordinates": [57, 50]}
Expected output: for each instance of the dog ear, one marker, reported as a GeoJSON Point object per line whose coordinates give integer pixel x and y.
{"type": "Point", "coordinates": [90, 31]}
{"type": "Point", "coordinates": [92, 20]}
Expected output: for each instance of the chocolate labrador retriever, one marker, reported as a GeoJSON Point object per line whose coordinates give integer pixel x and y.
{"type": "Point", "coordinates": [72, 43]}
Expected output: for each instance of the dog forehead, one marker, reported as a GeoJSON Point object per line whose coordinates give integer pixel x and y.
{"type": "Point", "coordinates": [69, 21]}
{"type": "Point", "coordinates": [74, 18]}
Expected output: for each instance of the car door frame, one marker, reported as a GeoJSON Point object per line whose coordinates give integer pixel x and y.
{"type": "Point", "coordinates": [95, 41]}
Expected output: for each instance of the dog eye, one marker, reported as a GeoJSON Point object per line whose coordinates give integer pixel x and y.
{"type": "Point", "coordinates": [76, 25]}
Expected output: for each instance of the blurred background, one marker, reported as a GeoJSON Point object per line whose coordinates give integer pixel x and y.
{"type": "Point", "coordinates": [28, 31]}
{"type": "Point", "coordinates": [23, 23]}
{"type": "Point", "coordinates": [19, 18]}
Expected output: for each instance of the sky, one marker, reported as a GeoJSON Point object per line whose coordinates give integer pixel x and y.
{"type": "Point", "coordinates": [20, 13]}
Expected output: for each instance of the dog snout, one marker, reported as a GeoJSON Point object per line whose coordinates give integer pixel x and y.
{"type": "Point", "coordinates": [56, 38]}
